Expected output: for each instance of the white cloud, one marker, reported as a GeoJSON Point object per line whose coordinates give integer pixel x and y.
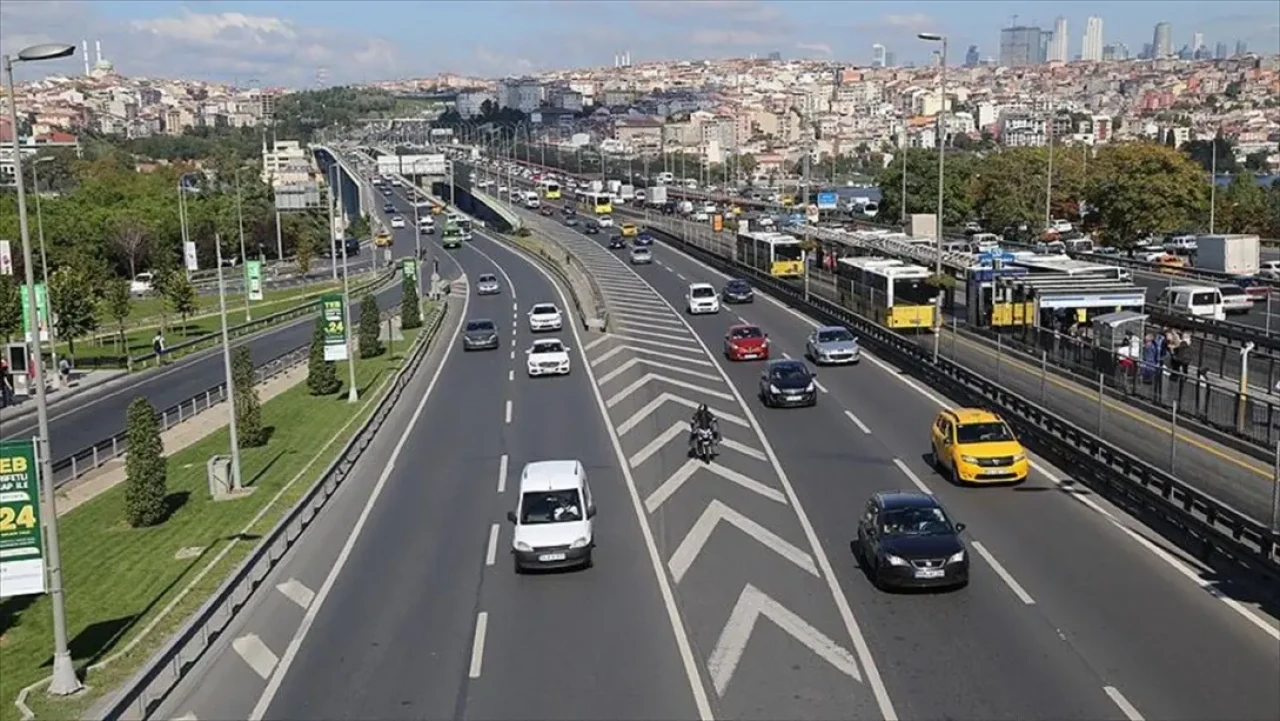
{"type": "Point", "coordinates": [211, 46]}
{"type": "Point", "coordinates": [729, 38]}
{"type": "Point", "coordinates": [819, 48]}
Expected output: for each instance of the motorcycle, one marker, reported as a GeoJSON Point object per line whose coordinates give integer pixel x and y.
{"type": "Point", "coordinates": [704, 444]}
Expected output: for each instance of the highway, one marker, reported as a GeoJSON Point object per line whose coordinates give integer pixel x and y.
{"type": "Point", "coordinates": [83, 420]}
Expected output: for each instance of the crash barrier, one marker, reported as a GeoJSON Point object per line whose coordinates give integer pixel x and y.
{"type": "Point", "coordinates": [168, 666]}
{"type": "Point", "coordinates": [595, 318]}
{"type": "Point", "coordinates": [1207, 526]}
{"type": "Point", "coordinates": [99, 454]}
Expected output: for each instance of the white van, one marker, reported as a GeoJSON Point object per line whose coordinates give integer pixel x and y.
{"type": "Point", "coordinates": [1199, 301]}
{"type": "Point", "coordinates": [553, 517]}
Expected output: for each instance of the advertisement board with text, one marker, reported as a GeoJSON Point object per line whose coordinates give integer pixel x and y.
{"type": "Point", "coordinates": [22, 569]}
{"type": "Point", "coordinates": [335, 327]}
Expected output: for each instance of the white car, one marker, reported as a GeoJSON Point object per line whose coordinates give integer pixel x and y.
{"type": "Point", "coordinates": [702, 298]}
{"type": "Point", "coordinates": [141, 284]}
{"type": "Point", "coordinates": [554, 517]}
{"type": "Point", "coordinates": [605, 221]}
{"type": "Point", "coordinates": [397, 221]}
{"type": "Point", "coordinates": [544, 317]}
{"type": "Point", "coordinates": [547, 357]}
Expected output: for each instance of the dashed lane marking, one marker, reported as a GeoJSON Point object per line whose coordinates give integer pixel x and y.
{"type": "Point", "coordinates": [255, 653]}
{"type": "Point", "coordinates": [296, 592]}
{"type": "Point", "coordinates": [857, 422]}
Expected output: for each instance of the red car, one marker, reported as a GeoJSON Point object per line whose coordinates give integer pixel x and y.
{"type": "Point", "coordinates": [746, 342]}
{"type": "Point", "coordinates": [1257, 288]}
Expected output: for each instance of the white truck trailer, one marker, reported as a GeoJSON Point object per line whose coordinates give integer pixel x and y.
{"type": "Point", "coordinates": [1234, 254]}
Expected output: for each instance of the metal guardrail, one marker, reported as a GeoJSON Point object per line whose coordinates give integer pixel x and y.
{"type": "Point", "coordinates": [168, 666]}
{"type": "Point", "coordinates": [1212, 526]}
{"type": "Point", "coordinates": [99, 454]}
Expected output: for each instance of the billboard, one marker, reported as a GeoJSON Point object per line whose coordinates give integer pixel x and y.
{"type": "Point", "coordinates": [827, 201]}
{"type": "Point", "coordinates": [432, 164]}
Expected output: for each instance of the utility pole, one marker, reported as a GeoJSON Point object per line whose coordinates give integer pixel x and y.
{"type": "Point", "coordinates": [226, 367]}
{"type": "Point", "coordinates": [333, 227]}
{"type": "Point", "coordinates": [1213, 185]}
{"type": "Point", "coordinates": [244, 258]}
{"type": "Point", "coordinates": [1048, 189]}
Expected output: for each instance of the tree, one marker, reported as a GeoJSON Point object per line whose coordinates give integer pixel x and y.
{"type": "Point", "coordinates": [179, 295]}
{"type": "Point", "coordinates": [129, 236]}
{"type": "Point", "coordinates": [73, 292]}
{"type": "Point", "coordinates": [1256, 161]}
{"type": "Point", "coordinates": [117, 301]}
{"type": "Point", "coordinates": [410, 305]}
{"type": "Point", "coordinates": [922, 186]}
{"type": "Point", "coordinates": [304, 252]}
{"type": "Point", "coordinates": [747, 164]}
{"type": "Point", "coordinates": [1137, 189]}
{"type": "Point", "coordinates": [1010, 186]}
{"type": "Point", "coordinates": [146, 470]}
{"type": "Point", "coordinates": [1202, 152]}
{"type": "Point", "coordinates": [370, 328]}
{"type": "Point", "coordinates": [322, 378]}
{"type": "Point", "coordinates": [1243, 207]}
{"type": "Point", "coordinates": [248, 406]}
{"type": "Point", "coordinates": [359, 227]}
{"type": "Point", "coordinates": [10, 307]}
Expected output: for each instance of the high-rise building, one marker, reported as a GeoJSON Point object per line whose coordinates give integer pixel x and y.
{"type": "Point", "coordinates": [1162, 41]}
{"type": "Point", "coordinates": [1091, 49]}
{"type": "Point", "coordinates": [1197, 42]}
{"type": "Point", "coordinates": [1220, 51]}
{"type": "Point", "coordinates": [1241, 48]}
{"type": "Point", "coordinates": [1021, 45]}
{"type": "Point", "coordinates": [877, 56]}
{"type": "Point", "coordinates": [972, 58]}
{"type": "Point", "coordinates": [890, 60]}
{"type": "Point", "coordinates": [1058, 43]}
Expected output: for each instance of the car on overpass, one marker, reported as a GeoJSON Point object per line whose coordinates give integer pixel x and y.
{"type": "Point", "coordinates": [787, 383]}
{"type": "Point", "coordinates": [553, 517]}
{"type": "Point", "coordinates": [487, 284]}
{"type": "Point", "coordinates": [974, 445]}
{"type": "Point", "coordinates": [545, 317]}
{"type": "Point", "coordinates": [547, 357]}
{"type": "Point", "coordinates": [480, 334]}
{"type": "Point", "coordinates": [907, 540]}
{"type": "Point", "coordinates": [746, 342]}
{"type": "Point", "coordinates": [397, 221]}
{"type": "Point", "coordinates": [617, 242]}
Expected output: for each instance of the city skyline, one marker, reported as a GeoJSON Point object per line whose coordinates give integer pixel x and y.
{"type": "Point", "coordinates": [295, 44]}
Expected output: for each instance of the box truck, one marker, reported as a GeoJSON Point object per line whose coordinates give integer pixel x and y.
{"type": "Point", "coordinates": [1234, 254]}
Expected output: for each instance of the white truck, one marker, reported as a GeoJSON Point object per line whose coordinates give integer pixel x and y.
{"type": "Point", "coordinates": [1234, 254]}
{"type": "Point", "coordinates": [627, 193]}
{"type": "Point", "coordinates": [596, 186]}
{"type": "Point", "coordinates": [657, 195]}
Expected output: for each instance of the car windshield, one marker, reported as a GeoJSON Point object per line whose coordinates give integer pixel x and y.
{"type": "Point", "coordinates": [789, 372]}
{"type": "Point", "coordinates": [990, 432]}
{"type": "Point", "coordinates": [541, 507]}
{"type": "Point", "coordinates": [1231, 290]}
{"type": "Point", "coordinates": [639, 251]}
{"type": "Point", "coordinates": [915, 522]}
{"type": "Point", "coordinates": [738, 286]}
{"type": "Point", "coordinates": [488, 279]}
{"type": "Point", "coordinates": [546, 309]}
{"type": "Point", "coordinates": [552, 346]}
{"type": "Point", "coordinates": [479, 326]}
{"type": "Point", "coordinates": [746, 332]}
{"type": "Point", "coordinates": [835, 336]}
{"type": "Point", "coordinates": [702, 292]}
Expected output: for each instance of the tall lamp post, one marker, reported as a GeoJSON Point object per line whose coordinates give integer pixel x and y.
{"type": "Point", "coordinates": [244, 258]}
{"type": "Point", "coordinates": [942, 145]}
{"type": "Point", "coordinates": [226, 369]}
{"type": "Point", "coordinates": [44, 269]}
{"type": "Point", "coordinates": [64, 681]}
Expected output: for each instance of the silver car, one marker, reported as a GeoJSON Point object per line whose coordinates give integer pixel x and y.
{"type": "Point", "coordinates": [641, 256]}
{"type": "Point", "coordinates": [488, 284]}
{"type": "Point", "coordinates": [831, 345]}
{"type": "Point", "coordinates": [480, 334]}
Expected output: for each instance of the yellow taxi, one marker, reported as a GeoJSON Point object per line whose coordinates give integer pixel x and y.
{"type": "Point", "coordinates": [1170, 263]}
{"type": "Point", "coordinates": [437, 209]}
{"type": "Point", "coordinates": [629, 230]}
{"type": "Point", "coordinates": [973, 445]}
{"type": "Point", "coordinates": [382, 239]}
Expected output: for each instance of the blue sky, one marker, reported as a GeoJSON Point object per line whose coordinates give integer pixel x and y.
{"type": "Point", "coordinates": [287, 42]}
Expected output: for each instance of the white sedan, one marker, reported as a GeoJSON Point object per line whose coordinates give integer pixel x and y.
{"type": "Point", "coordinates": [545, 317]}
{"type": "Point", "coordinates": [548, 357]}
{"type": "Point", "coordinates": [397, 221]}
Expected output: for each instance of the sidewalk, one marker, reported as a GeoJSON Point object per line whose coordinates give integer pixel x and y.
{"type": "Point", "coordinates": [81, 382]}
{"type": "Point", "coordinates": [184, 434]}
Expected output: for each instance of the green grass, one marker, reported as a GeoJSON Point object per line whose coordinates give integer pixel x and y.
{"type": "Point", "coordinates": [119, 579]}
{"type": "Point", "coordinates": [146, 310]}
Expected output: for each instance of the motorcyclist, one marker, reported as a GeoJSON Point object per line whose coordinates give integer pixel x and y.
{"type": "Point", "coordinates": [703, 418]}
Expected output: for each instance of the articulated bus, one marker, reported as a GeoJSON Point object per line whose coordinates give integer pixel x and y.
{"type": "Point", "coordinates": [600, 203]}
{"type": "Point", "coordinates": [894, 294]}
{"type": "Point", "coordinates": [777, 254]}
{"type": "Point", "coordinates": [551, 190]}
{"type": "Point", "coordinates": [462, 223]}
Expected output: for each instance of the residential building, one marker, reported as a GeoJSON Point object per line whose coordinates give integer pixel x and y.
{"type": "Point", "coordinates": [1058, 44]}
{"type": "Point", "coordinates": [1091, 48]}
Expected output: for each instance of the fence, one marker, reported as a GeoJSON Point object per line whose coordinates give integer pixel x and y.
{"type": "Point", "coordinates": [1207, 526]}
{"type": "Point", "coordinates": [164, 670]}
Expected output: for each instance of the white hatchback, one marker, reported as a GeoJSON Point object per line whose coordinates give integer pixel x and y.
{"type": "Point", "coordinates": [544, 317]}
{"type": "Point", "coordinates": [702, 298]}
{"type": "Point", "coordinates": [547, 357]}
{"type": "Point", "coordinates": [397, 221]}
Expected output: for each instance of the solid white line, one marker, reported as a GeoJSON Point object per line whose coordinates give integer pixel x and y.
{"type": "Point", "coordinates": [491, 555]}
{"type": "Point", "coordinates": [909, 473]}
{"type": "Point", "coordinates": [282, 669]}
{"type": "Point", "coordinates": [511, 375]}
{"type": "Point", "coordinates": [857, 422]}
{"type": "Point", "coordinates": [477, 645]}
{"type": "Point", "coordinates": [508, 411]}
{"type": "Point", "coordinates": [1004, 575]}
{"type": "Point", "coordinates": [502, 474]}
{"type": "Point", "coordinates": [1129, 710]}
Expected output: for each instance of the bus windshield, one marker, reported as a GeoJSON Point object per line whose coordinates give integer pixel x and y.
{"type": "Point", "coordinates": [912, 291]}
{"type": "Point", "coordinates": [787, 252]}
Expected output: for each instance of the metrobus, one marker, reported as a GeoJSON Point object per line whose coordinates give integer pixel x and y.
{"type": "Point", "coordinates": [462, 223]}
{"type": "Point", "coordinates": [551, 190]}
{"type": "Point", "coordinates": [894, 294]}
{"type": "Point", "coordinates": [601, 203]}
{"type": "Point", "coordinates": [451, 237]}
{"type": "Point", "coordinates": [777, 254]}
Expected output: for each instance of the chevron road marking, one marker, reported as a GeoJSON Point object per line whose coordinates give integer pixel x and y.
{"type": "Point", "coordinates": [638, 417]}
{"type": "Point", "coordinates": [597, 341]}
{"type": "Point", "coordinates": [697, 352]}
{"type": "Point", "coordinates": [687, 552]}
{"type": "Point", "coordinates": [681, 428]}
{"type": "Point", "coordinates": [256, 654]}
{"type": "Point", "coordinates": [673, 484]}
{"type": "Point", "coordinates": [669, 356]}
{"type": "Point", "coordinates": [631, 333]}
{"type": "Point", "coordinates": [625, 296]}
{"type": "Point", "coordinates": [631, 363]}
{"type": "Point", "coordinates": [188, 716]}
{"type": "Point", "coordinates": [752, 604]}
{"type": "Point", "coordinates": [296, 592]}
{"type": "Point", "coordinates": [647, 320]}
{"type": "Point", "coordinates": [621, 395]}
{"type": "Point", "coordinates": [647, 314]}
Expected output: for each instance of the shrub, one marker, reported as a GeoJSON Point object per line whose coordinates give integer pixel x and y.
{"type": "Point", "coordinates": [410, 305]}
{"type": "Point", "coordinates": [322, 377]}
{"type": "Point", "coordinates": [244, 394]}
{"type": "Point", "coordinates": [370, 326]}
{"type": "Point", "coordinates": [146, 470]}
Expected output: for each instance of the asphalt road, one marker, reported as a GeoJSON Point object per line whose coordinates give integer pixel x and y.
{"type": "Point", "coordinates": [86, 419]}
{"type": "Point", "coordinates": [1257, 317]}
{"type": "Point", "coordinates": [1068, 611]}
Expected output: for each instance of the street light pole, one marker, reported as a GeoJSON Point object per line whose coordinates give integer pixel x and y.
{"type": "Point", "coordinates": [353, 394]}
{"type": "Point", "coordinates": [182, 221]}
{"type": "Point", "coordinates": [226, 367]}
{"type": "Point", "coordinates": [64, 681]}
{"type": "Point", "coordinates": [44, 270]}
{"type": "Point", "coordinates": [942, 154]}
{"type": "Point", "coordinates": [333, 240]}
{"type": "Point", "coordinates": [248, 313]}
{"type": "Point", "coordinates": [1048, 188]}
